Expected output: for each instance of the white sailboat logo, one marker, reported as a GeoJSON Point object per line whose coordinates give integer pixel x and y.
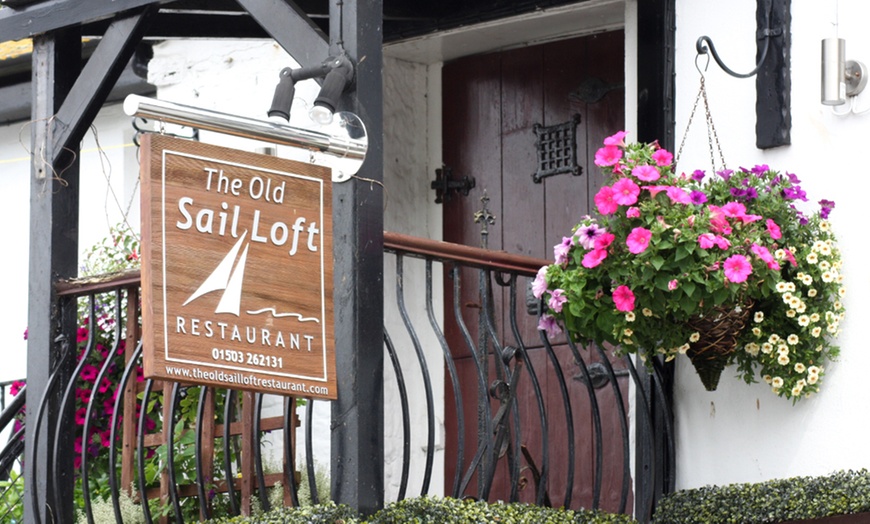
{"type": "Point", "coordinates": [227, 278]}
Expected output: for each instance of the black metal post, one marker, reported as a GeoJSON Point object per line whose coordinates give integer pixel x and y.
{"type": "Point", "coordinates": [54, 214]}
{"type": "Point", "coordinates": [773, 82]}
{"type": "Point", "coordinates": [655, 121]}
{"type": "Point", "coordinates": [356, 26]}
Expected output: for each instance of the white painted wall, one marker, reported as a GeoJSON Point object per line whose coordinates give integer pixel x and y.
{"type": "Point", "coordinates": [741, 433]}
{"type": "Point", "coordinates": [109, 183]}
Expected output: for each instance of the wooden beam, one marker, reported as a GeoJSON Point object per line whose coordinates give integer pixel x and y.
{"type": "Point", "coordinates": [97, 79]}
{"type": "Point", "coordinates": [291, 28]}
{"type": "Point", "coordinates": [43, 17]}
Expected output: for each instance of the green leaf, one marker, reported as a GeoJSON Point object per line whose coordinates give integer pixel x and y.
{"type": "Point", "coordinates": [657, 262]}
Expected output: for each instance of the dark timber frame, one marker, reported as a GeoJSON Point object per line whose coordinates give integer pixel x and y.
{"type": "Point", "coordinates": [65, 102]}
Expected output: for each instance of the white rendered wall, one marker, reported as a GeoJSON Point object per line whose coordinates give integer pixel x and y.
{"type": "Point", "coordinates": [744, 433]}
{"type": "Point", "coordinates": [111, 165]}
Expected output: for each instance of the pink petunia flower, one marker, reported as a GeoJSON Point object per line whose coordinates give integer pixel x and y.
{"type": "Point", "coordinates": [16, 386]}
{"type": "Point", "coordinates": [623, 298]}
{"type": "Point", "coordinates": [89, 373]}
{"type": "Point", "coordinates": [548, 323]}
{"type": "Point", "coordinates": [646, 173]}
{"type": "Point", "coordinates": [605, 202]}
{"type": "Point", "coordinates": [539, 286]}
{"type": "Point", "coordinates": [706, 240]}
{"type": "Point", "coordinates": [561, 250]}
{"type": "Point", "coordinates": [625, 192]}
{"type": "Point", "coordinates": [734, 209]}
{"type": "Point", "coordinates": [80, 416]}
{"type": "Point", "coordinates": [607, 156]}
{"type": "Point", "coordinates": [773, 229]}
{"type": "Point", "coordinates": [764, 254]}
{"type": "Point", "coordinates": [722, 242]}
{"type": "Point", "coordinates": [678, 195]}
{"type": "Point", "coordinates": [663, 157]}
{"type": "Point", "coordinates": [718, 222]}
{"type": "Point", "coordinates": [81, 334]}
{"type": "Point", "coordinates": [737, 268]}
{"type": "Point", "coordinates": [632, 212]}
{"type": "Point", "coordinates": [594, 258]}
{"type": "Point", "coordinates": [638, 240]}
{"type": "Point", "coordinates": [655, 190]}
{"type": "Point", "coordinates": [588, 234]}
{"type": "Point", "coordinates": [790, 257]}
{"type": "Point", "coordinates": [616, 139]}
{"type": "Point", "coordinates": [557, 299]}
{"type": "Point", "coordinates": [604, 240]}
{"type": "Point", "coordinates": [673, 284]}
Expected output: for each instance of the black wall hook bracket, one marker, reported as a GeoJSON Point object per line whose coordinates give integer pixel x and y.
{"type": "Point", "coordinates": [772, 72]}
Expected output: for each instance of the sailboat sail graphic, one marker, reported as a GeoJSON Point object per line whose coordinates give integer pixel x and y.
{"type": "Point", "coordinates": [226, 278]}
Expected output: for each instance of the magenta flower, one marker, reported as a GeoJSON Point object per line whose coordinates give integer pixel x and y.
{"type": "Point", "coordinates": [105, 385]}
{"type": "Point", "coordinates": [655, 190]}
{"type": "Point", "coordinates": [557, 299]}
{"type": "Point", "coordinates": [80, 416]}
{"type": "Point", "coordinates": [663, 157]}
{"type": "Point", "coordinates": [632, 212]}
{"type": "Point", "coordinates": [698, 175]}
{"type": "Point", "coordinates": [737, 268]}
{"type": "Point", "coordinates": [548, 323]}
{"type": "Point", "coordinates": [773, 229]}
{"type": "Point", "coordinates": [25, 330]}
{"type": "Point", "coordinates": [706, 240]}
{"type": "Point", "coordinates": [697, 197]}
{"type": "Point", "coordinates": [638, 240]}
{"type": "Point", "coordinates": [646, 173]}
{"type": "Point", "coordinates": [790, 257]}
{"type": "Point", "coordinates": [616, 139]}
{"type": "Point", "coordinates": [604, 240]}
{"type": "Point", "coordinates": [673, 284]}
{"type": "Point", "coordinates": [16, 386]}
{"type": "Point", "coordinates": [722, 242]}
{"type": "Point", "coordinates": [106, 438]}
{"type": "Point", "coordinates": [83, 395]}
{"type": "Point", "coordinates": [678, 195]}
{"type": "Point", "coordinates": [718, 222]}
{"type": "Point", "coordinates": [763, 253]}
{"type": "Point", "coordinates": [81, 334]}
{"type": "Point", "coordinates": [625, 192]}
{"type": "Point", "coordinates": [539, 286]}
{"type": "Point", "coordinates": [594, 258]}
{"type": "Point", "coordinates": [89, 373]}
{"type": "Point", "coordinates": [588, 234]}
{"type": "Point", "coordinates": [605, 202]}
{"type": "Point", "coordinates": [623, 298]}
{"type": "Point", "coordinates": [607, 156]}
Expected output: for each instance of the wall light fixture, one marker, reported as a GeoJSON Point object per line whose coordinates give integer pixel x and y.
{"type": "Point", "coordinates": [841, 78]}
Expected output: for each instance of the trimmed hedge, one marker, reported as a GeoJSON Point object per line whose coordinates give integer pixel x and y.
{"type": "Point", "coordinates": [798, 498]}
{"type": "Point", "coordinates": [432, 510]}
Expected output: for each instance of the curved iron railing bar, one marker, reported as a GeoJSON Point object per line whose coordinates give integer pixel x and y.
{"type": "Point", "coordinates": [454, 379]}
{"type": "Point", "coordinates": [541, 490]}
{"type": "Point", "coordinates": [258, 453]}
{"type": "Point", "coordinates": [566, 405]}
{"type": "Point", "coordinates": [309, 452]}
{"type": "Point", "coordinates": [68, 394]}
{"type": "Point", "coordinates": [289, 459]}
{"type": "Point", "coordinates": [502, 373]}
{"type": "Point", "coordinates": [514, 450]}
{"type": "Point", "coordinates": [113, 432]}
{"type": "Point", "coordinates": [229, 404]}
{"type": "Point", "coordinates": [52, 379]}
{"type": "Point", "coordinates": [12, 450]}
{"type": "Point", "coordinates": [140, 443]}
{"type": "Point", "coordinates": [424, 370]}
{"type": "Point", "coordinates": [669, 430]}
{"type": "Point", "coordinates": [13, 408]}
{"type": "Point", "coordinates": [651, 449]}
{"type": "Point", "coordinates": [623, 427]}
{"type": "Point", "coordinates": [596, 425]}
{"type": "Point", "coordinates": [86, 489]}
{"type": "Point", "coordinates": [406, 415]}
{"type": "Point", "coordinates": [200, 475]}
{"type": "Point", "coordinates": [169, 426]}
{"type": "Point", "coordinates": [481, 380]}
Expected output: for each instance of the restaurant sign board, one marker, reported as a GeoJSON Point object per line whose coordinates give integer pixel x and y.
{"type": "Point", "coordinates": [236, 269]}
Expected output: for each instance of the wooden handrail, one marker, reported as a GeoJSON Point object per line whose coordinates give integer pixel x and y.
{"type": "Point", "coordinates": [467, 255]}
{"type": "Point", "coordinates": [394, 242]}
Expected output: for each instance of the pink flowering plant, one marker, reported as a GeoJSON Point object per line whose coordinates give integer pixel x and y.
{"type": "Point", "coordinates": [669, 249]}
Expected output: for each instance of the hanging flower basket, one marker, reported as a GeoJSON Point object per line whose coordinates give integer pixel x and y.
{"type": "Point", "coordinates": [660, 271]}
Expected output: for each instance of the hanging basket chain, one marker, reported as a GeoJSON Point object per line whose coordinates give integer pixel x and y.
{"type": "Point", "coordinates": [711, 128]}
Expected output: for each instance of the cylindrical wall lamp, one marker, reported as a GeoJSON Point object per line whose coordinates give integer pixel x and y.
{"type": "Point", "coordinates": [840, 78]}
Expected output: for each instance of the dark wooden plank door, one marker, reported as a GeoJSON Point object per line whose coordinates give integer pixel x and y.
{"type": "Point", "coordinates": [491, 104]}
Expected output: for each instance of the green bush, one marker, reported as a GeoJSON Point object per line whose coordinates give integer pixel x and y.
{"type": "Point", "coordinates": [433, 510]}
{"type": "Point", "coordinates": [798, 498]}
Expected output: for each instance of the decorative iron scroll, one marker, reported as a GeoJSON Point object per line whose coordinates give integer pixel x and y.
{"type": "Point", "coordinates": [557, 149]}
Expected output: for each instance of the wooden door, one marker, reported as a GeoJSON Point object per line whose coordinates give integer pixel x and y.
{"type": "Point", "coordinates": [491, 104]}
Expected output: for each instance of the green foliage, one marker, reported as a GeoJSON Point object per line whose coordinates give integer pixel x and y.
{"type": "Point", "coordinates": [11, 493]}
{"type": "Point", "coordinates": [798, 498]}
{"type": "Point", "coordinates": [434, 510]}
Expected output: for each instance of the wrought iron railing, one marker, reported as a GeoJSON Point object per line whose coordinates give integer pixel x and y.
{"type": "Point", "coordinates": [485, 407]}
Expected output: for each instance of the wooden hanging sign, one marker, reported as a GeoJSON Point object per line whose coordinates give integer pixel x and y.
{"type": "Point", "coordinates": [236, 269]}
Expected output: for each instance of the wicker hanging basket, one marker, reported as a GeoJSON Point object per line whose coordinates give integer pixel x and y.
{"type": "Point", "coordinates": [719, 329]}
